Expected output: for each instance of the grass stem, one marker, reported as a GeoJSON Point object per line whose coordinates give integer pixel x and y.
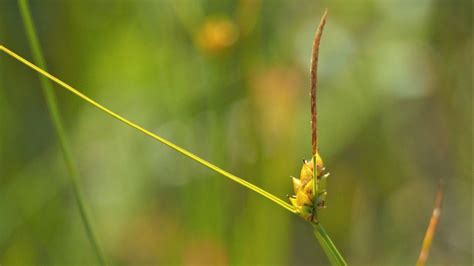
{"type": "Point", "coordinates": [55, 116]}
{"type": "Point", "coordinates": [327, 245]}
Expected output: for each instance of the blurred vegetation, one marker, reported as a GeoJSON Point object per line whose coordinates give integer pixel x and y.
{"type": "Point", "coordinates": [229, 80]}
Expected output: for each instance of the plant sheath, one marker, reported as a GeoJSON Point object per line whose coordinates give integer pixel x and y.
{"type": "Point", "coordinates": [55, 116]}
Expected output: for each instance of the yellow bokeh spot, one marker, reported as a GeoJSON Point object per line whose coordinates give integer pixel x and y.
{"type": "Point", "coordinates": [217, 34]}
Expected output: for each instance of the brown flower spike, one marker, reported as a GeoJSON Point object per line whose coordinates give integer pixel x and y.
{"type": "Point", "coordinates": [314, 80]}
{"type": "Point", "coordinates": [310, 194]}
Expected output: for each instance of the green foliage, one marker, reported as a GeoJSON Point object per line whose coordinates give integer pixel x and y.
{"type": "Point", "coordinates": [394, 90]}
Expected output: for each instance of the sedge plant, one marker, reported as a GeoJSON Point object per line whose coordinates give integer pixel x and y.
{"type": "Point", "coordinates": [306, 208]}
{"type": "Point", "coordinates": [309, 188]}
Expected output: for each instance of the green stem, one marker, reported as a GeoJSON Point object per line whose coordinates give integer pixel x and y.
{"type": "Point", "coordinates": [51, 103]}
{"type": "Point", "coordinates": [328, 246]}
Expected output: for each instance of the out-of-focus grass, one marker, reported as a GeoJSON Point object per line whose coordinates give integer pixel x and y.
{"type": "Point", "coordinates": [57, 123]}
{"type": "Point", "coordinates": [394, 98]}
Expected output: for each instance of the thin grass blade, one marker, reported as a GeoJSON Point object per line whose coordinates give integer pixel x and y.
{"type": "Point", "coordinates": [166, 142]}
{"type": "Point", "coordinates": [55, 116]}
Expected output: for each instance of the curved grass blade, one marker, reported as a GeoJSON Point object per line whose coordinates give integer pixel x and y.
{"type": "Point", "coordinates": [55, 116]}
{"type": "Point", "coordinates": [150, 134]}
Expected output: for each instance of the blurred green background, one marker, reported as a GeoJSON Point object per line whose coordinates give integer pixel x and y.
{"type": "Point", "coordinates": [229, 80]}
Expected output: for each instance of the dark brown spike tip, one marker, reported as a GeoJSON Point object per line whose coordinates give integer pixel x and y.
{"type": "Point", "coordinates": [314, 79]}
